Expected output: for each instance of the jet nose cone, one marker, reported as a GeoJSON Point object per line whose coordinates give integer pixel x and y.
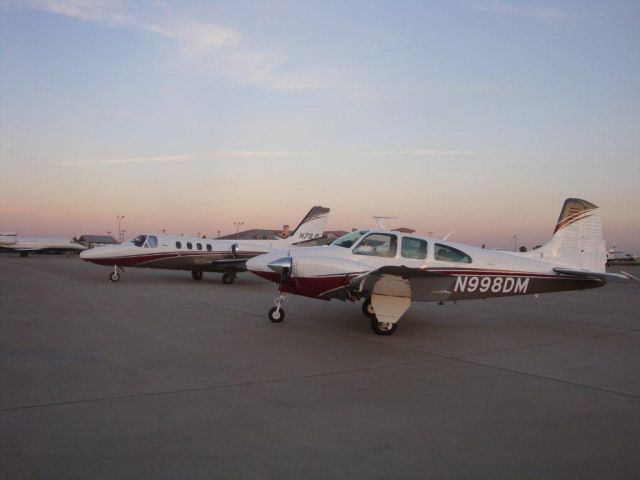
{"type": "Point", "coordinates": [86, 254]}
{"type": "Point", "coordinates": [280, 265]}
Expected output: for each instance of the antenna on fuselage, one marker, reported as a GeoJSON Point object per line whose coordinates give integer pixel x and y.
{"type": "Point", "coordinates": [379, 219]}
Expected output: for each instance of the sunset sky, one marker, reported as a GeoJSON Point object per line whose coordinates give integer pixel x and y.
{"type": "Point", "coordinates": [474, 116]}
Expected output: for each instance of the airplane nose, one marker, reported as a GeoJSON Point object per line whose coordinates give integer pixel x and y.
{"type": "Point", "coordinates": [86, 254]}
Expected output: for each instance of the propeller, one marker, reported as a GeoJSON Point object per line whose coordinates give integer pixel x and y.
{"type": "Point", "coordinates": [283, 266]}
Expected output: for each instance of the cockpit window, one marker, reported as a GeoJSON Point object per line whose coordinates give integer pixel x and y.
{"type": "Point", "coordinates": [139, 240]}
{"type": "Point", "coordinates": [348, 239]}
{"type": "Point", "coordinates": [377, 245]}
{"type": "Point", "coordinates": [415, 248]}
{"type": "Point", "coordinates": [152, 242]}
{"type": "Point", "coordinates": [445, 253]}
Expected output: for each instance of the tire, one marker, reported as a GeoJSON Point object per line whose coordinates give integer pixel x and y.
{"type": "Point", "coordinates": [381, 328]}
{"type": "Point", "coordinates": [228, 279]}
{"type": "Point", "coordinates": [275, 315]}
{"type": "Point", "coordinates": [367, 309]}
{"type": "Point", "coordinates": [196, 274]}
{"type": "Point", "coordinates": [114, 276]}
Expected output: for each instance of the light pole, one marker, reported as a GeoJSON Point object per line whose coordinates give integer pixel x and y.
{"type": "Point", "coordinates": [218, 233]}
{"type": "Point", "coordinates": [237, 225]}
{"type": "Point", "coordinates": [515, 241]}
{"type": "Point", "coordinates": [123, 230]}
{"type": "Point", "coordinates": [120, 232]}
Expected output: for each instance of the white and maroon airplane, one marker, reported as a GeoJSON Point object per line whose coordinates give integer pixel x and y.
{"type": "Point", "coordinates": [200, 255]}
{"type": "Point", "coordinates": [26, 245]}
{"type": "Point", "coordinates": [389, 269]}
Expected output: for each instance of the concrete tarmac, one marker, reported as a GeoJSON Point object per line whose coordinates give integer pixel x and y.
{"type": "Point", "coordinates": [159, 376]}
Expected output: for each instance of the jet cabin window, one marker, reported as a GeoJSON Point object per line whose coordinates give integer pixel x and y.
{"type": "Point", "coordinates": [414, 248]}
{"type": "Point", "coordinates": [209, 247]}
{"type": "Point", "coordinates": [199, 245]}
{"type": "Point", "coordinates": [450, 254]}
{"type": "Point", "coordinates": [152, 242]}
{"type": "Point", "coordinates": [189, 245]}
{"type": "Point", "coordinates": [348, 239]}
{"type": "Point", "coordinates": [178, 245]}
{"type": "Point", "coordinates": [139, 240]}
{"type": "Point", "coordinates": [377, 245]}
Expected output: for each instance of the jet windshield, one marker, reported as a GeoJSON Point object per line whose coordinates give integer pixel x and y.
{"type": "Point", "coordinates": [349, 239]}
{"type": "Point", "coordinates": [139, 240]}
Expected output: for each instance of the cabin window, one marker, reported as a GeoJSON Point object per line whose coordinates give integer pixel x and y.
{"type": "Point", "coordinates": [377, 245]}
{"type": "Point", "coordinates": [445, 253]}
{"type": "Point", "coordinates": [414, 248]}
{"type": "Point", "coordinates": [139, 240]}
{"type": "Point", "coordinates": [152, 242]}
{"type": "Point", "coordinates": [199, 245]}
{"type": "Point", "coordinates": [209, 247]}
{"type": "Point", "coordinates": [348, 239]}
{"type": "Point", "coordinates": [189, 245]}
{"type": "Point", "coordinates": [178, 244]}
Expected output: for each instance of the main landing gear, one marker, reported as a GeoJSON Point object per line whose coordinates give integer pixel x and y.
{"type": "Point", "coordinates": [196, 274]}
{"type": "Point", "coordinates": [115, 276]}
{"type": "Point", "coordinates": [379, 328]}
{"type": "Point", "coordinates": [228, 278]}
{"type": "Point", "coordinates": [276, 314]}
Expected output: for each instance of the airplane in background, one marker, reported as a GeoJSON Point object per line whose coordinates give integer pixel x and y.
{"type": "Point", "coordinates": [200, 255]}
{"type": "Point", "coordinates": [389, 269]}
{"type": "Point", "coordinates": [26, 245]}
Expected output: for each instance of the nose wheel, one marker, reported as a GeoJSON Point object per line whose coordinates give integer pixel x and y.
{"type": "Point", "coordinates": [276, 314]}
{"type": "Point", "coordinates": [114, 276]}
{"type": "Point", "coordinates": [367, 308]}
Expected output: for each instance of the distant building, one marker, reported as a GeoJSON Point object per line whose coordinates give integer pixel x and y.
{"type": "Point", "coordinates": [404, 230]}
{"type": "Point", "coordinates": [91, 241]}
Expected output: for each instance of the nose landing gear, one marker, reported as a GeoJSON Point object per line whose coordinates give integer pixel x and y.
{"type": "Point", "coordinates": [379, 328]}
{"type": "Point", "coordinates": [114, 276]}
{"type": "Point", "coordinates": [276, 314]}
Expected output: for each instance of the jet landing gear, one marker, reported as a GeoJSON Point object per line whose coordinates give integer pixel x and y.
{"type": "Point", "coordinates": [196, 274]}
{"type": "Point", "coordinates": [276, 314]}
{"type": "Point", "coordinates": [228, 278]}
{"type": "Point", "coordinates": [379, 328]}
{"type": "Point", "coordinates": [114, 276]}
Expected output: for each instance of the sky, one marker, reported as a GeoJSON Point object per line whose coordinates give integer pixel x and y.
{"type": "Point", "coordinates": [473, 116]}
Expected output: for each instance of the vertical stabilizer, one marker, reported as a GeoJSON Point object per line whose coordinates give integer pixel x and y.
{"type": "Point", "coordinates": [311, 226]}
{"type": "Point", "coordinates": [577, 241]}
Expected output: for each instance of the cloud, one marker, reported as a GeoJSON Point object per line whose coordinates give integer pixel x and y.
{"type": "Point", "coordinates": [205, 47]}
{"type": "Point", "coordinates": [264, 154]}
{"type": "Point", "coordinates": [128, 160]}
{"type": "Point", "coordinates": [513, 8]}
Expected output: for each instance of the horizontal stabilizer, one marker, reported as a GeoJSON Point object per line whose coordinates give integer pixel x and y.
{"type": "Point", "coordinates": [603, 276]}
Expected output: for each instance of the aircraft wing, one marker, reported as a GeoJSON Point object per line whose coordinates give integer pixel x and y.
{"type": "Point", "coordinates": [413, 283]}
{"type": "Point", "coordinates": [237, 264]}
{"type": "Point", "coordinates": [392, 281]}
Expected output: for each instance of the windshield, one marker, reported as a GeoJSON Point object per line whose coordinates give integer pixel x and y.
{"type": "Point", "coordinates": [139, 240]}
{"type": "Point", "coordinates": [349, 239]}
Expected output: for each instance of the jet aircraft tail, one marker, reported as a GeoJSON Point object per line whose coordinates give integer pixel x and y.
{"type": "Point", "coordinates": [311, 226]}
{"type": "Point", "coordinates": [578, 241]}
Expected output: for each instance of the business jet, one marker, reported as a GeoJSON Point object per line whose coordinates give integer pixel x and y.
{"type": "Point", "coordinates": [26, 245]}
{"type": "Point", "coordinates": [389, 270]}
{"type": "Point", "coordinates": [200, 255]}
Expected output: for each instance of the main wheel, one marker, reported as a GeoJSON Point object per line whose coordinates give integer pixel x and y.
{"type": "Point", "coordinates": [228, 279]}
{"type": "Point", "coordinates": [383, 328]}
{"type": "Point", "coordinates": [367, 309]}
{"type": "Point", "coordinates": [114, 276]}
{"type": "Point", "coordinates": [276, 315]}
{"type": "Point", "coordinates": [196, 274]}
